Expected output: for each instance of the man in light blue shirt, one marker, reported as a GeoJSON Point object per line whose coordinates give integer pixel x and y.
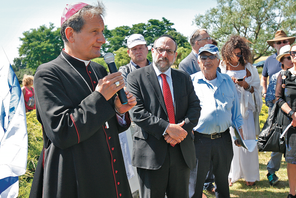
{"type": "Point", "coordinates": [198, 39]}
{"type": "Point", "coordinates": [219, 110]}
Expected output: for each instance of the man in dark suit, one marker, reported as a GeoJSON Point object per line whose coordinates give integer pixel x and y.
{"type": "Point", "coordinates": [166, 111]}
{"type": "Point", "coordinates": [198, 39]}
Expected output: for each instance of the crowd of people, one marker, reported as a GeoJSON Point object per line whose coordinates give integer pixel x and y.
{"type": "Point", "coordinates": [185, 120]}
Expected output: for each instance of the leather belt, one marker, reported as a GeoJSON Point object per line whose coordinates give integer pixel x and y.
{"type": "Point", "coordinates": [212, 135]}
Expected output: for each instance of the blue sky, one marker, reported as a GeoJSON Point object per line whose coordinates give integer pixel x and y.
{"type": "Point", "coordinates": [18, 16]}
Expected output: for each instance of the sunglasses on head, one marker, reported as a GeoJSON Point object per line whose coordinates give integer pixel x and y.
{"type": "Point", "coordinates": [280, 42]}
{"type": "Point", "coordinates": [204, 57]}
{"type": "Point", "coordinates": [292, 53]}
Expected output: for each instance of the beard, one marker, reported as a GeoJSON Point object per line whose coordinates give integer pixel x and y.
{"type": "Point", "coordinates": [163, 64]}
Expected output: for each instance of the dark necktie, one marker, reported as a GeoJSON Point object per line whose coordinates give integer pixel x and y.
{"type": "Point", "coordinates": [168, 99]}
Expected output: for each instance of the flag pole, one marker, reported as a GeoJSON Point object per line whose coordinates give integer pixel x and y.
{"type": "Point", "coordinates": [6, 55]}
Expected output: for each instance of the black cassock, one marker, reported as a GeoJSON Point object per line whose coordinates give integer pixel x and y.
{"type": "Point", "coordinates": [82, 155]}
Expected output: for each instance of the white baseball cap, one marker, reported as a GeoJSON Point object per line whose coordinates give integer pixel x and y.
{"type": "Point", "coordinates": [135, 39]}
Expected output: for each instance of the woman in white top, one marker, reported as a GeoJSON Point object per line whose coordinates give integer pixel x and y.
{"type": "Point", "coordinates": [237, 56]}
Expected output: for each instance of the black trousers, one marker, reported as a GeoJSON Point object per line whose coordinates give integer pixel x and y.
{"type": "Point", "coordinates": [171, 179]}
{"type": "Point", "coordinates": [220, 152]}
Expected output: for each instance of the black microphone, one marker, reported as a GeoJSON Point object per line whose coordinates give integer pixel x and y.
{"type": "Point", "coordinates": [109, 59]}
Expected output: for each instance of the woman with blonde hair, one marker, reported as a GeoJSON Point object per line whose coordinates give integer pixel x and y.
{"type": "Point", "coordinates": [237, 56]}
{"type": "Point", "coordinates": [28, 91]}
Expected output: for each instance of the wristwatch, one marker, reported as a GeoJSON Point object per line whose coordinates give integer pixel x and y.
{"type": "Point", "coordinates": [291, 113]}
{"type": "Point", "coordinates": [263, 94]}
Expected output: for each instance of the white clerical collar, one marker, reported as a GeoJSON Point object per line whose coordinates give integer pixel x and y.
{"type": "Point", "coordinates": [85, 62]}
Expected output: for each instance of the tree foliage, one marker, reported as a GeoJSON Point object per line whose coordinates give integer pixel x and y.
{"type": "Point", "coordinates": [20, 69]}
{"type": "Point", "coordinates": [182, 53]}
{"type": "Point", "coordinates": [40, 45]}
{"type": "Point", "coordinates": [121, 57]}
{"type": "Point", "coordinates": [117, 38]}
{"type": "Point", "coordinates": [44, 44]}
{"type": "Point", "coordinates": [256, 20]}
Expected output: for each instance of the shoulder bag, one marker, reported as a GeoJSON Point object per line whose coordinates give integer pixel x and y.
{"type": "Point", "coordinates": [269, 138]}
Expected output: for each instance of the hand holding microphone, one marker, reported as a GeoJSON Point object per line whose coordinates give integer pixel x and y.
{"type": "Point", "coordinates": [109, 59]}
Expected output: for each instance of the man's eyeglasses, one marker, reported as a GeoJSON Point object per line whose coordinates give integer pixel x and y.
{"type": "Point", "coordinates": [280, 42]}
{"type": "Point", "coordinates": [207, 38]}
{"type": "Point", "coordinates": [293, 53]}
{"type": "Point", "coordinates": [204, 57]}
{"type": "Point", "coordinates": [161, 51]}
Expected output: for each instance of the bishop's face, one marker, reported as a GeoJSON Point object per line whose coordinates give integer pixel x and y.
{"type": "Point", "coordinates": [87, 43]}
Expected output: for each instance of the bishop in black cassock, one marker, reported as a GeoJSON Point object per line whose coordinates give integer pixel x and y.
{"type": "Point", "coordinates": [78, 159]}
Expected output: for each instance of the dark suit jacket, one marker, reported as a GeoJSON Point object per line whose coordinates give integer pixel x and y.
{"type": "Point", "coordinates": [189, 64]}
{"type": "Point", "coordinates": [150, 148]}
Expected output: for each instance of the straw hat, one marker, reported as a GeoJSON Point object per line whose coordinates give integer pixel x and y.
{"type": "Point", "coordinates": [279, 36]}
{"type": "Point", "coordinates": [283, 51]}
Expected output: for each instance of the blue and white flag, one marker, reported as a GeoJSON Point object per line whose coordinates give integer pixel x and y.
{"type": "Point", "coordinates": [13, 133]}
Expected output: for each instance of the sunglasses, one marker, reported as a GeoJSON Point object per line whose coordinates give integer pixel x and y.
{"type": "Point", "coordinates": [238, 55]}
{"type": "Point", "coordinates": [287, 57]}
{"type": "Point", "coordinates": [204, 57]}
{"type": "Point", "coordinates": [280, 42]}
{"type": "Point", "coordinates": [293, 53]}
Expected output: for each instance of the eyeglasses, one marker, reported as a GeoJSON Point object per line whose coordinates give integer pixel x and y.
{"type": "Point", "coordinates": [293, 53]}
{"type": "Point", "coordinates": [238, 55]}
{"type": "Point", "coordinates": [287, 57]}
{"type": "Point", "coordinates": [161, 51]}
{"type": "Point", "coordinates": [280, 42]}
{"type": "Point", "coordinates": [207, 38]}
{"type": "Point", "coordinates": [204, 57]}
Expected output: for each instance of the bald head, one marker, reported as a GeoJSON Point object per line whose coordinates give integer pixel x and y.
{"type": "Point", "coordinates": [164, 52]}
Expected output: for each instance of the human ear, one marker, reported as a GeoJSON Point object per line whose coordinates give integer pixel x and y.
{"type": "Point", "coordinates": [69, 33]}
